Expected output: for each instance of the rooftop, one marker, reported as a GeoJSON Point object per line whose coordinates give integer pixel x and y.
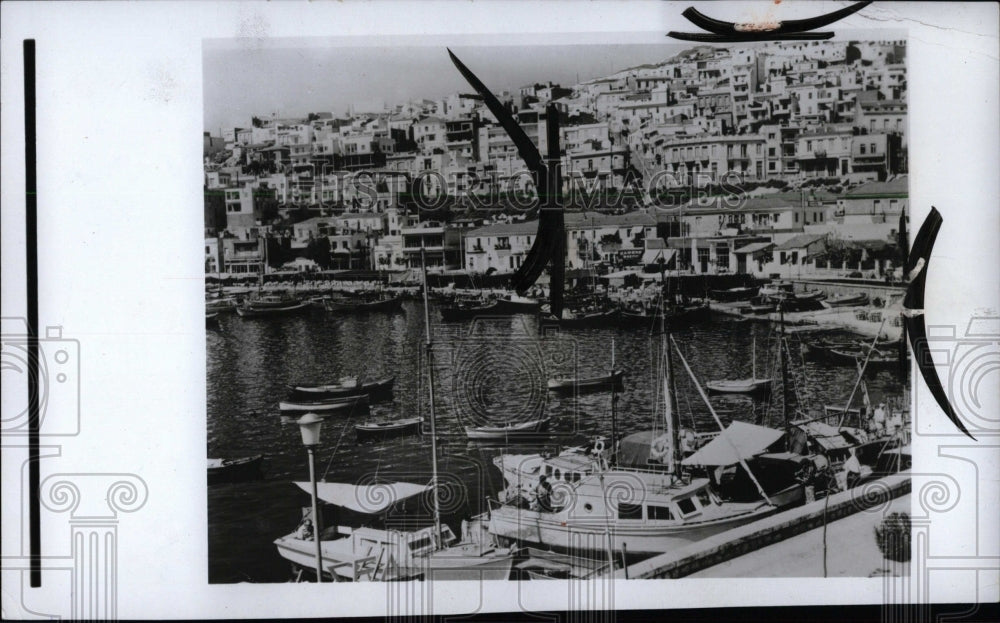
{"type": "Point", "coordinates": [899, 187]}
{"type": "Point", "coordinates": [800, 242]}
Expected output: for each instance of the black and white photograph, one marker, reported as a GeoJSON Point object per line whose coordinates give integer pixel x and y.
{"type": "Point", "coordinates": [512, 311]}
{"type": "Point", "coordinates": [556, 312]}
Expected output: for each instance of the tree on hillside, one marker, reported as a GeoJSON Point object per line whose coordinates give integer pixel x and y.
{"type": "Point", "coordinates": [318, 251]}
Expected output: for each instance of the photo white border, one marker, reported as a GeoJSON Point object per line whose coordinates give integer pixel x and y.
{"type": "Point", "coordinates": [120, 232]}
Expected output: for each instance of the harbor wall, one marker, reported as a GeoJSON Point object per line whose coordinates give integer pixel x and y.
{"type": "Point", "coordinates": [752, 537]}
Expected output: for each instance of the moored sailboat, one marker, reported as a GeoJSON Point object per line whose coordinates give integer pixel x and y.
{"type": "Point", "coordinates": [430, 553]}
{"type": "Point", "coordinates": [635, 511]}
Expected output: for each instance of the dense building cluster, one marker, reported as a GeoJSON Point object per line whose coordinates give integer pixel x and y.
{"type": "Point", "coordinates": [774, 159]}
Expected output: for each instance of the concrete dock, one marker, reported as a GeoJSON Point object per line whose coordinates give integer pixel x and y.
{"type": "Point", "coordinates": [790, 543]}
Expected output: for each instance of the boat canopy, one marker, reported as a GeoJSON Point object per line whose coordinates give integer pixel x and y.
{"type": "Point", "coordinates": [369, 499]}
{"type": "Point", "coordinates": [739, 441]}
{"type": "Point", "coordinates": [633, 450]}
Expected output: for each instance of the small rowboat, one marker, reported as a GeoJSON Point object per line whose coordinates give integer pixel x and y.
{"type": "Point", "coordinates": [676, 315]}
{"type": "Point", "coordinates": [590, 384]}
{"type": "Point", "coordinates": [515, 304]}
{"type": "Point", "coordinates": [739, 386]}
{"type": "Point", "coordinates": [465, 311]}
{"type": "Point", "coordinates": [220, 305]}
{"type": "Point", "coordinates": [846, 300]}
{"type": "Point", "coordinates": [265, 312]}
{"type": "Point", "coordinates": [327, 406]}
{"type": "Point", "coordinates": [776, 287]}
{"type": "Point", "coordinates": [510, 429]}
{"type": "Point", "coordinates": [582, 319]}
{"type": "Point", "coordinates": [347, 305]}
{"type": "Point", "coordinates": [235, 470]}
{"type": "Point", "coordinates": [810, 295]}
{"type": "Point", "coordinates": [387, 428]}
{"type": "Point", "coordinates": [346, 388]}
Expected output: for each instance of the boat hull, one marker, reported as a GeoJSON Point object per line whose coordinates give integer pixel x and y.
{"type": "Point", "coordinates": [269, 312]}
{"type": "Point", "coordinates": [395, 429]}
{"type": "Point", "coordinates": [360, 307]}
{"type": "Point", "coordinates": [327, 406]}
{"type": "Point", "coordinates": [376, 389]}
{"type": "Point", "coordinates": [460, 313]}
{"type": "Point", "coordinates": [505, 432]}
{"type": "Point", "coordinates": [590, 537]}
{"type": "Point", "coordinates": [237, 470]}
{"type": "Point", "coordinates": [743, 386]}
{"type": "Point", "coordinates": [462, 562]}
{"type": "Point", "coordinates": [592, 384]}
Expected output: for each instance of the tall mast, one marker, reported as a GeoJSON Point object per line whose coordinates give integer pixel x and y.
{"type": "Point", "coordinates": [784, 369]}
{"type": "Point", "coordinates": [670, 414]}
{"type": "Point", "coordinates": [430, 387]}
{"type": "Point", "coordinates": [614, 407]}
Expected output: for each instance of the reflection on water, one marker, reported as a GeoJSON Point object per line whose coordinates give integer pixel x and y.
{"type": "Point", "coordinates": [492, 370]}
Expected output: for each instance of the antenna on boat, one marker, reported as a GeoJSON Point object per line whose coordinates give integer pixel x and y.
{"type": "Point", "coordinates": [718, 421]}
{"type": "Point", "coordinates": [430, 388]}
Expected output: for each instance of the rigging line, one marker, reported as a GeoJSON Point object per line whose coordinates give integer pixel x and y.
{"type": "Point", "coordinates": [329, 463]}
{"type": "Point", "coordinates": [795, 383]}
{"type": "Point", "coordinates": [718, 421]}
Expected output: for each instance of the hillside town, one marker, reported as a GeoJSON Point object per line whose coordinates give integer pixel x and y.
{"type": "Point", "coordinates": [776, 160]}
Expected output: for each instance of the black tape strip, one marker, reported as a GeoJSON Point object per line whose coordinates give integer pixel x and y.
{"type": "Point", "coordinates": [789, 30]}
{"type": "Point", "coordinates": [551, 228]}
{"type": "Point", "coordinates": [31, 266]}
{"type": "Point", "coordinates": [913, 323]}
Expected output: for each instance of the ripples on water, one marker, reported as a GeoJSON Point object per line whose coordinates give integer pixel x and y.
{"type": "Point", "coordinates": [490, 370]}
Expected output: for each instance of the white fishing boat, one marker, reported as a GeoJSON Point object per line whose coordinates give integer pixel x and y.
{"type": "Point", "coordinates": [752, 385]}
{"type": "Point", "coordinates": [634, 511]}
{"type": "Point", "coordinates": [522, 471]}
{"type": "Point", "coordinates": [377, 554]}
{"type": "Point", "coordinates": [641, 513]}
{"type": "Point", "coordinates": [505, 431]}
{"type": "Point", "coordinates": [326, 406]}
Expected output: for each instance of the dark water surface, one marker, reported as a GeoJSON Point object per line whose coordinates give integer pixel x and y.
{"type": "Point", "coordinates": [487, 371]}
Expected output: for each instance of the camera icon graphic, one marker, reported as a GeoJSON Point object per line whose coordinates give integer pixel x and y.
{"type": "Point", "coordinates": [58, 380]}
{"type": "Point", "coordinates": [969, 368]}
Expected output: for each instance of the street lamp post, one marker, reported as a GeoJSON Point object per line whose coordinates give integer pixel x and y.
{"type": "Point", "coordinates": [310, 425]}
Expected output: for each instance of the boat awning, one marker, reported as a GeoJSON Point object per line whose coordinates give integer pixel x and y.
{"type": "Point", "coordinates": [739, 441]}
{"type": "Point", "coordinates": [633, 450]}
{"type": "Point", "coordinates": [369, 499]}
{"type": "Point", "coordinates": [829, 437]}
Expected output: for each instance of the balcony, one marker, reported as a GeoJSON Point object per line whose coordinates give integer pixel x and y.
{"type": "Point", "coordinates": [475, 249]}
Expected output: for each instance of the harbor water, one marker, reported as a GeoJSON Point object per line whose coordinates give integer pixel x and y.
{"type": "Point", "coordinates": [487, 371]}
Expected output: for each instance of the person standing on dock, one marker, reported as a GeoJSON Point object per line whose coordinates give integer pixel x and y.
{"type": "Point", "coordinates": [852, 471]}
{"type": "Point", "coordinates": [878, 420]}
